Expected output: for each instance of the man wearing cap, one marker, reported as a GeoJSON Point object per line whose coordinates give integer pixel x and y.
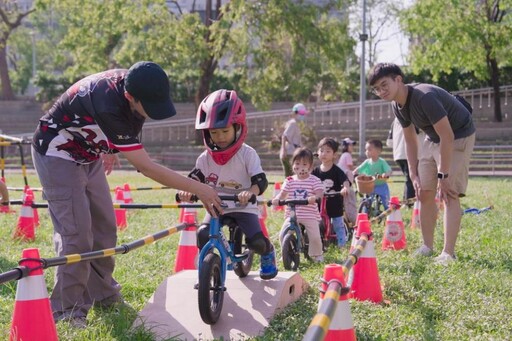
{"type": "Point", "coordinates": [74, 146]}
{"type": "Point", "coordinates": [291, 138]}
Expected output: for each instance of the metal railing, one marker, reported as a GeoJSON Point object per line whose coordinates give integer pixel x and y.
{"type": "Point", "coordinates": [338, 114]}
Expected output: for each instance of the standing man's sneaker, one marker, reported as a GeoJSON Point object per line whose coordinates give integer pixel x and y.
{"type": "Point", "coordinates": [268, 268]}
{"type": "Point", "coordinates": [423, 250]}
{"type": "Point", "coordinates": [445, 258]}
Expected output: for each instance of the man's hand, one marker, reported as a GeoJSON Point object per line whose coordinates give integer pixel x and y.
{"type": "Point", "coordinates": [417, 184]}
{"type": "Point", "coordinates": [109, 161]}
{"type": "Point", "coordinates": [445, 190]}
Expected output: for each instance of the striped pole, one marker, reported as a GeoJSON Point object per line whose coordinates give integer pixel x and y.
{"type": "Point", "coordinates": [333, 321]}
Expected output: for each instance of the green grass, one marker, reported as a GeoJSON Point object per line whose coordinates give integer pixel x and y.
{"type": "Point", "coordinates": [468, 300]}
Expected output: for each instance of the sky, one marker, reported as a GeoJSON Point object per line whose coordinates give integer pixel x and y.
{"type": "Point", "coordinates": [394, 49]}
{"type": "Point", "coordinates": [396, 46]}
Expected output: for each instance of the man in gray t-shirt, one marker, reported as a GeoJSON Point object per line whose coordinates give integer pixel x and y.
{"type": "Point", "coordinates": [291, 138]}
{"type": "Point", "coordinates": [439, 164]}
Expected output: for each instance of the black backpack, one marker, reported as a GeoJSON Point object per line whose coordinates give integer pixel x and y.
{"type": "Point", "coordinates": [464, 102]}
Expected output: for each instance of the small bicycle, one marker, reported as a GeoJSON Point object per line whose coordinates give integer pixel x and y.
{"type": "Point", "coordinates": [295, 238]}
{"type": "Point", "coordinates": [371, 202]}
{"type": "Point", "coordinates": [326, 229]}
{"type": "Point", "coordinates": [216, 257]}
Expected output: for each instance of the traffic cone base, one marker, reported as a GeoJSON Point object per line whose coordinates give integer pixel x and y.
{"type": "Point", "coordinates": [342, 325]}
{"type": "Point", "coordinates": [32, 316]}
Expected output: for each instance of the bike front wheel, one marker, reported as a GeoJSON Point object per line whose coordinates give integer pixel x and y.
{"type": "Point", "coordinates": [210, 289]}
{"type": "Point", "coordinates": [242, 268]}
{"type": "Point", "coordinates": [290, 254]}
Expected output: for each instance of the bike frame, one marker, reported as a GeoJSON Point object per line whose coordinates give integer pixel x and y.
{"type": "Point", "coordinates": [225, 251]}
{"type": "Point", "coordinates": [294, 226]}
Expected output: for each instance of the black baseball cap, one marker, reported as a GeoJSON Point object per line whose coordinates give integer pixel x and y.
{"type": "Point", "coordinates": [148, 82]}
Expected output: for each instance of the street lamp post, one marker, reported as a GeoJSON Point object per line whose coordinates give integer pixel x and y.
{"type": "Point", "coordinates": [363, 37]}
{"type": "Point", "coordinates": [33, 37]}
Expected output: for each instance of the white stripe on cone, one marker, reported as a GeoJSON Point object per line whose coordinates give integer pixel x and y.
{"type": "Point", "coordinates": [31, 288]}
{"type": "Point", "coordinates": [188, 238]}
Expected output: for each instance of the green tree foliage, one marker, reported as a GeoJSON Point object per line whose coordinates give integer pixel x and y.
{"type": "Point", "coordinates": [11, 17]}
{"type": "Point", "coordinates": [269, 50]}
{"type": "Point", "coordinates": [472, 36]}
{"type": "Point", "coordinates": [289, 49]}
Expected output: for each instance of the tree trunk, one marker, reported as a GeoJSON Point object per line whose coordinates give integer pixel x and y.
{"type": "Point", "coordinates": [495, 82]}
{"type": "Point", "coordinates": [7, 93]}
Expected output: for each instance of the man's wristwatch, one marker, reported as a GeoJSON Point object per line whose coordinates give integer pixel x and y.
{"type": "Point", "coordinates": [442, 175]}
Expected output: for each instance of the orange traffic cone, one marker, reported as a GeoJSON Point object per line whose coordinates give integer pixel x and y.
{"type": "Point", "coordinates": [366, 284]}
{"type": "Point", "coordinates": [28, 191]}
{"type": "Point", "coordinates": [415, 220]}
{"type": "Point", "coordinates": [25, 226]}
{"type": "Point", "coordinates": [127, 194]}
{"type": "Point", "coordinates": [277, 190]}
{"type": "Point", "coordinates": [120, 212]}
{"type": "Point", "coordinates": [394, 233]}
{"type": "Point", "coordinates": [342, 325]}
{"type": "Point", "coordinates": [262, 215]}
{"type": "Point", "coordinates": [187, 248]}
{"type": "Point", "coordinates": [360, 217]}
{"type": "Point", "coordinates": [32, 316]}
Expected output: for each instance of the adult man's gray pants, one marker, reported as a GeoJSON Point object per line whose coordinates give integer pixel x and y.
{"type": "Point", "coordinates": [82, 213]}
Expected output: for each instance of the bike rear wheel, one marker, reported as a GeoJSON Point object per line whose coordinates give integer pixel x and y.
{"type": "Point", "coordinates": [242, 268]}
{"type": "Point", "coordinates": [290, 254]}
{"type": "Point", "coordinates": [210, 289]}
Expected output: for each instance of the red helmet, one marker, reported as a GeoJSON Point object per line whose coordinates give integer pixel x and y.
{"type": "Point", "coordinates": [218, 110]}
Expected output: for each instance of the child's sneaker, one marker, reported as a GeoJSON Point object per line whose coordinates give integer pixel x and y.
{"type": "Point", "coordinates": [268, 268]}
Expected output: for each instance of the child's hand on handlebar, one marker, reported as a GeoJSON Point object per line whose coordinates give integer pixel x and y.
{"type": "Point", "coordinates": [312, 199]}
{"type": "Point", "coordinates": [244, 197]}
{"type": "Point", "coordinates": [275, 202]}
{"type": "Point", "coordinates": [344, 191]}
{"type": "Point", "coordinates": [185, 196]}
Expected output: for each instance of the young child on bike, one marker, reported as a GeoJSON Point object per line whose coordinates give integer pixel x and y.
{"type": "Point", "coordinates": [231, 167]}
{"type": "Point", "coordinates": [335, 182]}
{"type": "Point", "coordinates": [303, 185]}
{"type": "Point", "coordinates": [347, 165]}
{"type": "Point", "coordinates": [376, 166]}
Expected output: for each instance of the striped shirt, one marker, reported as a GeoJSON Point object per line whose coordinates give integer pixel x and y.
{"type": "Point", "coordinates": [302, 189]}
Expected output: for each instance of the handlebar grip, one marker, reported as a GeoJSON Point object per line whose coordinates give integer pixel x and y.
{"type": "Point", "coordinates": [193, 198]}
{"type": "Point", "coordinates": [234, 198]}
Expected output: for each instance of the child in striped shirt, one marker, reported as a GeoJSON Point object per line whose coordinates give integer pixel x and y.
{"type": "Point", "coordinates": [304, 185]}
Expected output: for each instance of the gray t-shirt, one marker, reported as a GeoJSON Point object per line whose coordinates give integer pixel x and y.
{"type": "Point", "coordinates": [426, 104]}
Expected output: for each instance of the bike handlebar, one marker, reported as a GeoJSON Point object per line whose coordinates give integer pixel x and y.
{"type": "Point", "coordinates": [233, 198]}
{"type": "Point", "coordinates": [289, 202]}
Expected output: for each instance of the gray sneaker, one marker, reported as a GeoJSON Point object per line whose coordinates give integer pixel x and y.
{"type": "Point", "coordinates": [78, 322]}
{"type": "Point", "coordinates": [424, 251]}
{"type": "Point", "coordinates": [445, 259]}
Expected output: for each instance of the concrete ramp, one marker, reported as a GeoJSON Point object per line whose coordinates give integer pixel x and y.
{"type": "Point", "coordinates": [249, 304]}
